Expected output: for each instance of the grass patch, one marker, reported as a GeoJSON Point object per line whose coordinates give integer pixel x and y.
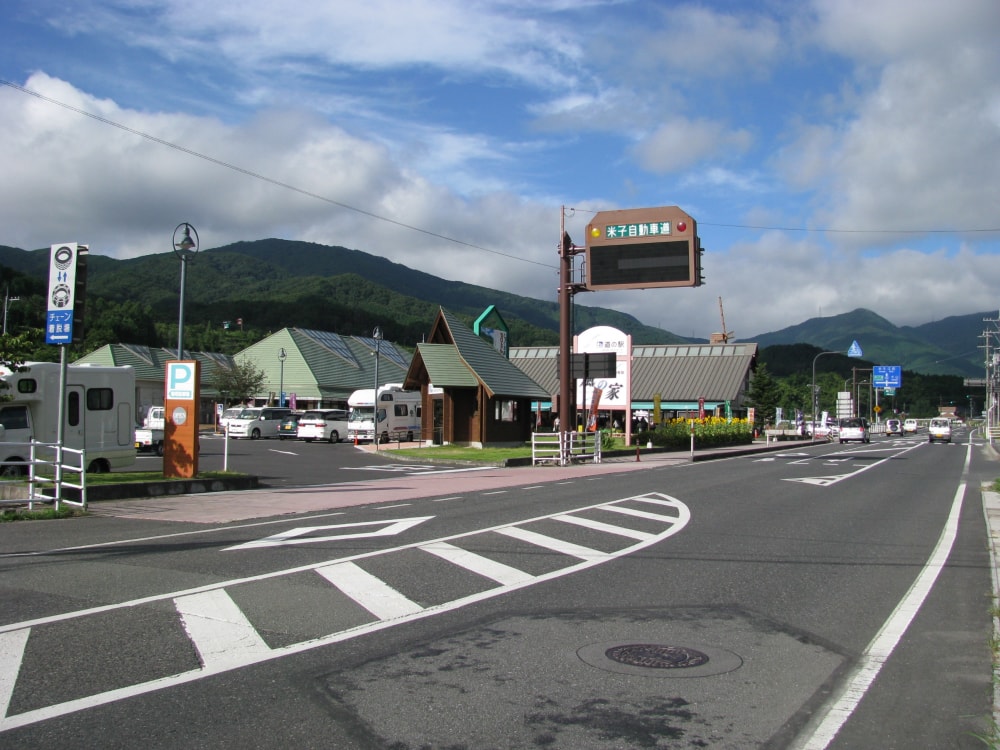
{"type": "Point", "coordinates": [461, 453]}
{"type": "Point", "coordinates": [43, 514]}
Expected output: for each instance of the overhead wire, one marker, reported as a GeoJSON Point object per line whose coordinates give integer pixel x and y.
{"type": "Point", "coordinates": [421, 230]}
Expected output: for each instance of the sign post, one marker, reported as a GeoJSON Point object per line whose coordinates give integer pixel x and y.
{"type": "Point", "coordinates": [181, 401]}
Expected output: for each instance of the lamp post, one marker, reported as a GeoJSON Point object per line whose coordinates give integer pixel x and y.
{"type": "Point", "coordinates": [7, 299]}
{"type": "Point", "coordinates": [377, 335]}
{"type": "Point", "coordinates": [185, 248]}
{"type": "Point", "coordinates": [815, 399]}
{"type": "Point", "coordinates": [281, 378]}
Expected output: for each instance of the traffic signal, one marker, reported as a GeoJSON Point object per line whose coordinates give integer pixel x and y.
{"type": "Point", "coordinates": [79, 292]}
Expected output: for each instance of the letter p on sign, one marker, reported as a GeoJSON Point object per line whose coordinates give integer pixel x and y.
{"type": "Point", "coordinates": [180, 381]}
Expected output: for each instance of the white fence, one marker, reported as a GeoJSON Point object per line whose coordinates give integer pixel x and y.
{"type": "Point", "coordinates": [50, 469]}
{"type": "Point", "coordinates": [563, 448]}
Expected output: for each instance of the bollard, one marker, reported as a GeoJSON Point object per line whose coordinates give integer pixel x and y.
{"type": "Point", "coordinates": [637, 453]}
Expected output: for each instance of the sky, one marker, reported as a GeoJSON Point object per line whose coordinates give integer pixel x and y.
{"type": "Point", "coordinates": [835, 154]}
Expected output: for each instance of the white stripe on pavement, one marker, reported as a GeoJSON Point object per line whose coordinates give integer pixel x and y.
{"type": "Point", "coordinates": [370, 592]}
{"type": "Point", "coordinates": [219, 629]}
{"type": "Point", "coordinates": [495, 571]}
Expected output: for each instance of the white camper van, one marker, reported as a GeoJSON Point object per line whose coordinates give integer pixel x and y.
{"type": "Point", "coordinates": [99, 415]}
{"type": "Point", "coordinates": [398, 414]}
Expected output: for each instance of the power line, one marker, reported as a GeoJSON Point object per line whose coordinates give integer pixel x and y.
{"type": "Point", "coordinates": [429, 233]}
{"type": "Point", "coordinates": [847, 231]}
{"type": "Point", "coordinates": [264, 178]}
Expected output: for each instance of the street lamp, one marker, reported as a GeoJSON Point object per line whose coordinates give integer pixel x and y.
{"type": "Point", "coordinates": [813, 392]}
{"type": "Point", "coordinates": [281, 379]}
{"type": "Point", "coordinates": [7, 299]}
{"type": "Point", "coordinates": [186, 248]}
{"type": "Point", "coordinates": [377, 335]}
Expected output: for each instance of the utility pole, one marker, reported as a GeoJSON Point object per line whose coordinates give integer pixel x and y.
{"type": "Point", "coordinates": [7, 299]}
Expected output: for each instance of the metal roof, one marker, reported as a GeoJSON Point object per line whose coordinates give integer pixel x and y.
{"type": "Point", "coordinates": [489, 368]}
{"type": "Point", "coordinates": [445, 367]}
{"type": "Point", "coordinates": [716, 372]}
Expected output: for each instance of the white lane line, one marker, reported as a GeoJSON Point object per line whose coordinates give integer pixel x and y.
{"type": "Point", "coordinates": [605, 527]}
{"type": "Point", "coordinates": [556, 545]}
{"type": "Point", "coordinates": [885, 641]}
{"type": "Point", "coordinates": [219, 629]}
{"type": "Point", "coordinates": [370, 592]}
{"type": "Point", "coordinates": [505, 575]}
{"type": "Point", "coordinates": [11, 652]}
{"type": "Point", "coordinates": [111, 696]}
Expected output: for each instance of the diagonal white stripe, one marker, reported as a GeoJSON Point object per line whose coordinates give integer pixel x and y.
{"type": "Point", "coordinates": [11, 652]}
{"type": "Point", "coordinates": [496, 571]}
{"type": "Point", "coordinates": [219, 629]}
{"type": "Point", "coordinates": [370, 592]}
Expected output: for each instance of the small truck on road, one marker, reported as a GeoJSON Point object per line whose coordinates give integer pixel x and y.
{"type": "Point", "coordinates": [149, 437]}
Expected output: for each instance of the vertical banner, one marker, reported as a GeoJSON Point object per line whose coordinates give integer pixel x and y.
{"type": "Point", "coordinates": [594, 404]}
{"type": "Point", "coordinates": [181, 401]}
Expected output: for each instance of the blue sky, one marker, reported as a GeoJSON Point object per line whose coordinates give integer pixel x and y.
{"type": "Point", "coordinates": [836, 153]}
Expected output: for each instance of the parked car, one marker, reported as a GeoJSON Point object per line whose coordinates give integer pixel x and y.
{"type": "Point", "coordinates": [854, 428]}
{"type": "Point", "coordinates": [228, 416]}
{"type": "Point", "coordinates": [289, 427]}
{"type": "Point", "coordinates": [939, 429]}
{"type": "Point", "coordinates": [910, 426]}
{"type": "Point", "coordinates": [821, 430]}
{"type": "Point", "coordinates": [257, 422]}
{"type": "Point", "coordinates": [893, 427]}
{"type": "Point", "coordinates": [323, 424]}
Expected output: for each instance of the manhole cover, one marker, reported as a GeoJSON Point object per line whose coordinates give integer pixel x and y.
{"type": "Point", "coordinates": [656, 657]}
{"type": "Point", "coordinates": [654, 660]}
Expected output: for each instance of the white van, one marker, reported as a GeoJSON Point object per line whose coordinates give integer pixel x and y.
{"type": "Point", "coordinates": [323, 424]}
{"type": "Point", "coordinates": [256, 422]}
{"type": "Point", "coordinates": [939, 429]}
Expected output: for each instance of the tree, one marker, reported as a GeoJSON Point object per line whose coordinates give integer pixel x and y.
{"type": "Point", "coordinates": [239, 383]}
{"type": "Point", "coordinates": [14, 352]}
{"type": "Point", "coordinates": [764, 395]}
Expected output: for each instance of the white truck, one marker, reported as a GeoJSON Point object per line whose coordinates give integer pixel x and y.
{"type": "Point", "coordinates": [398, 414]}
{"type": "Point", "coordinates": [149, 437]}
{"type": "Point", "coordinates": [98, 417]}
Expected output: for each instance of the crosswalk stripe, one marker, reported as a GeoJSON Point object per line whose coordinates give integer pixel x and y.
{"type": "Point", "coordinates": [11, 652]}
{"type": "Point", "coordinates": [496, 571]}
{"type": "Point", "coordinates": [219, 629]}
{"type": "Point", "coordinates": [556, 545]}
{"type": "Point", "coordinates": [639, 513]}
{"type": "Point", "coordinates": [370, 592]}
{"type": "Point", "coordinates": [605, 527]}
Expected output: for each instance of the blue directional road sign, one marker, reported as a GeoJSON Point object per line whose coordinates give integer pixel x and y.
{"type": "Point", "coordinates": [887, 376]}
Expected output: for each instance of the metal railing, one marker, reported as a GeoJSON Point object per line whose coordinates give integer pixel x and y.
{"type": "Point", "coordinates": [47, 467]}
{"type": "Point", "coordinates": [563, 448]}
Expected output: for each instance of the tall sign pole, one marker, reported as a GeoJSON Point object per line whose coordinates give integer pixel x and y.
{"type": "Point", "coordinates": [67, 278]}
{"type": "Point", "coordinates": [565, 266]}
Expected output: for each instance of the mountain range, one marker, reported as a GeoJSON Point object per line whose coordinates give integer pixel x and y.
{"type": "Point", "coordinates": [274, 283]}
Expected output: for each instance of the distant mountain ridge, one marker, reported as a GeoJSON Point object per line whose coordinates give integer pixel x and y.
{"type": "Point", "coordinates": [293, 283]}
{"type": "Point", "coordinates": [945, 347]}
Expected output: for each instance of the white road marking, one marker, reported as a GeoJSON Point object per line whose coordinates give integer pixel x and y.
{"type": "Point", "coordinates": [297, 536]}
{"type": "Point", "coordinates": [843, 704]}
{"type": "Point", "coordinates": [556, 545]}
{"type": "Point", "coordinates": [505, 575]}
{"type": "Point", "coordinates": [827, 480]}
{"type": "Point", "coordinates": [605, 527]}
{"type": "Point", "coordinates": [370, 592]}
{"type": "Point", "coordinates": [219, 629]}
{"type": "Point", "coordinates": [11, 652]}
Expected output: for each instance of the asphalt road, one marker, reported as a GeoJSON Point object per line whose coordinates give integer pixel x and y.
{"type": "Point", "coordinates": [725, 604]}
{"type": "Point", "coordinates": [279, 463]}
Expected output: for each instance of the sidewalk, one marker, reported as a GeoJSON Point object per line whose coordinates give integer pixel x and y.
{"type": "Point", "coordinates": [229, 507]}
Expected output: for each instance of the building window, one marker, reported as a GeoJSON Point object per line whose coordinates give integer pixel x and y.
{"type": "Point", "coordinates": [506, 410]}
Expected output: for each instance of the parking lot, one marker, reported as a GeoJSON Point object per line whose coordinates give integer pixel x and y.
{"type": "Point", "coordinates": [287, 463]}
